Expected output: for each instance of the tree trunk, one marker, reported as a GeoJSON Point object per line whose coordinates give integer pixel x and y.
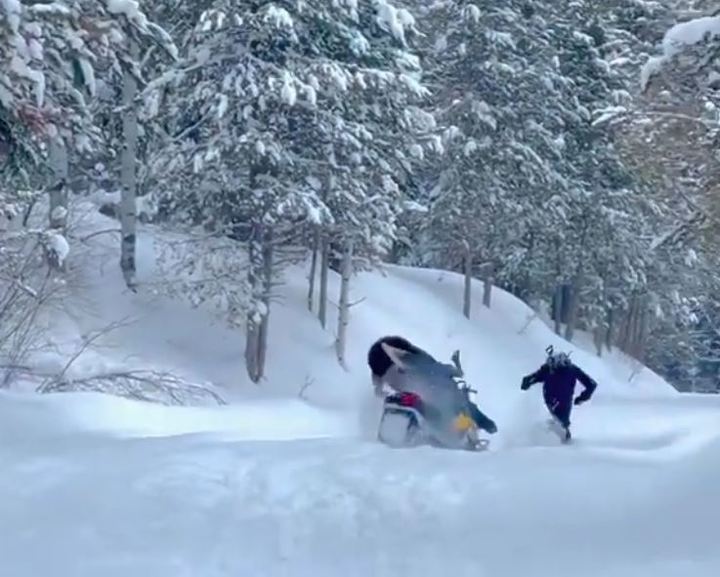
{"type": "Point", "coordinates": [572, 315]}
{"type": "Point", "coordinates": [128, 212]}
{"type": "Point", "coordinates": [467, 267]}
{"type": "Point", "coordinates": [488, 285]}
{"type": "Point", "coordinates": [598, 340]}
{"type": "Point", "coordinates": [610, 329]}
{"type": "Point", "coordinates": [260, 253]}
{"type": "Point", "coordinates": [254, 319]}
{"type": "Point", "coordinates": [58, 192]}
{"type": "Point", "coordinates": [634, 328]}
{"type": "Point", "coordinates": [268, 267]}
{"type": "Point", "coordinates": [344, 307]}
{"type": "Point", "coordinates": [625, 334]}
{"type": "Point", "coordinates": [638, 327]}
{"type": "Point", "coordinates": [623, 329]}
{"type": "Point", "coordinates": [313, 269]}
{"type": "Point", "coordinates": [574, 305]}
{"type": "Point", "coordinates": [558, 305]}
{"type": "Point", "coordinates": [643, 329]}
{"type": "Point", "coordinates": [324, 273]}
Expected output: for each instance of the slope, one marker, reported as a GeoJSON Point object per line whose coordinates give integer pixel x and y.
{"type": "Point", "coordinates": [273, 485]}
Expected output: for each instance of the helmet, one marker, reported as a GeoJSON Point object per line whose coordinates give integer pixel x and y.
{"type": "Point", "coordinates": [555, 360]}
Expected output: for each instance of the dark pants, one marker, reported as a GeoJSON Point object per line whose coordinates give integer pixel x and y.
{"type": "Point", "coordinates": [559, 407]}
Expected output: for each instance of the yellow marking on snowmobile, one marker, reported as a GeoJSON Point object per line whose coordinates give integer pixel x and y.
{"type": "Point", "coordinates": [462, 422]}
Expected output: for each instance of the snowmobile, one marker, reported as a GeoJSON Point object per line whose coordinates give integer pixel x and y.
{"type": "Point", "coordinates": [410, 421]}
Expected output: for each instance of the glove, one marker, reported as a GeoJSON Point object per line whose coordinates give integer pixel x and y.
{"type": "Point", "coordinates": [579, 400]}
{"type": "Point", "coordinates": [525, 383]}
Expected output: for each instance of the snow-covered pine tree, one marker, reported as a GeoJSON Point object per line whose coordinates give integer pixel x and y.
{"type": "Point", "coordinates": [678, 120]}
{"type": "Point", "coordinates": [499, 102]}
{"type": "Point", "coordinates": [605, 213]}
{"type": "Point", "coordinates": [299, 114]}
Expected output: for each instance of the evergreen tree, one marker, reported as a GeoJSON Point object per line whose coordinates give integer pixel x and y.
{"type": "Point", "coordinates": [299, 114]}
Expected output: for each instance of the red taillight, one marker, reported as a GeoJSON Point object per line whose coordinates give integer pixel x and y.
{"type": "Point", "coordinates": [409, 400]}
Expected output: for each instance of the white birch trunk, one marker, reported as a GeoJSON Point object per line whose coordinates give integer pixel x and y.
{"type": "Point", "coordinates": [128, 214]}
{"type": "Point", "coordinates": [344, 306]}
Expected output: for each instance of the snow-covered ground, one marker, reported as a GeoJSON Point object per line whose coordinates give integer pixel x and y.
{"type": "Point", "coordinates": [275, 485]}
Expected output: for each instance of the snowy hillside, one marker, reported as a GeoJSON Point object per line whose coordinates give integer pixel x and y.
{"type": "Point", "coordinates": [498, 345]}
{"type": "Point", "coordinates": [272, 485]}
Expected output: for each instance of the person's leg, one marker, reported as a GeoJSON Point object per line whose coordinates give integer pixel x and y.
{"type": "Point", "coordinates": [482, 420]}
{"type": "Point", "coordinates": [560, 410]}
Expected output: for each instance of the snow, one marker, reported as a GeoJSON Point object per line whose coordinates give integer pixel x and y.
{"type": "Point", "coordinates": [12, 11]}
{"type": "Point", "coordinates": [58, 244]}
{"type": "Point", "coordinates": [690, 33]}
{"type": "Point", "coordinates": [678, 38]}
{"type": "Point", "coordinates": [20, 67]}
{"type": "Point", "coordinates": [279, 17]}
{"type": "Point", "coordinates": [288, 93]}
{"type": "Point", "coordinates": [472, 12]}
{"type": "Point", "coordinates": [129, 8]}
{"type": "Point", "coordinates": [393, 20]}
{"type": "Point", "coordinates": [88, 73]}
{"type": "Point", "coordinates": [287, 479]}
{"type": "Point", "coordinates": [59, 213]}
{"type": "Point", "coordinates": [222, 105]}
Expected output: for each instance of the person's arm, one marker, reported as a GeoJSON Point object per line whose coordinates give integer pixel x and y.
{"type": "Point", "coordinates": [377, 385]}
{"type": "Point", "coordinates": [586, 382]}
{"type": "Point", "coordinates": [538, 376]}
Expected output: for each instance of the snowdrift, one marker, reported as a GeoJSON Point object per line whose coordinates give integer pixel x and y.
{"type": "Point", "coordinates": [275, 485]}
{"type": "Point", "coordinates": [639, 502]}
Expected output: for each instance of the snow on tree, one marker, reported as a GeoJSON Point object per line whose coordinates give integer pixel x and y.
{"type": "Point", "coordinates": [300, 116]}
{"type": "Point", "coordinates": [49, 53]}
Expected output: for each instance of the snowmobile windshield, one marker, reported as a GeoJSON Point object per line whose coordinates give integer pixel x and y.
{"type": "Point", "coordinates": [433, 381]}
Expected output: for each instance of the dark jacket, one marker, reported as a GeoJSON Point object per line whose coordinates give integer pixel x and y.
{"type": "Point", "coordinates": [559, 387]}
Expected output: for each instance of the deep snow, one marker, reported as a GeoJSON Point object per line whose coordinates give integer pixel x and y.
{"type": "Point", "coordinates": [274, 485]}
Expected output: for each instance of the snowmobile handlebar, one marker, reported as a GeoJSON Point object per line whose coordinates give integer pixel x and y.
{"type": "Point", "coordinates": [456, 361]}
